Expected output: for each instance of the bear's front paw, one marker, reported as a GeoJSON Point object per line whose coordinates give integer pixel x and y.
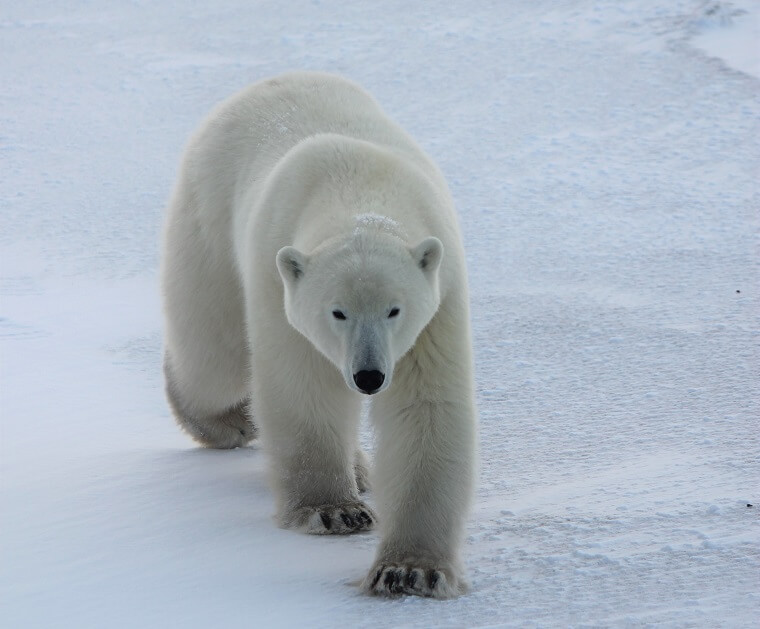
{"type": "Point", "coordinates": [340, 519]}
{"type": "Point", "coordinates": [418, 578]}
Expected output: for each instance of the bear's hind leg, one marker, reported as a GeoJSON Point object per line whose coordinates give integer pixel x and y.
{"type": "Point", "coordinates": [228, 428]}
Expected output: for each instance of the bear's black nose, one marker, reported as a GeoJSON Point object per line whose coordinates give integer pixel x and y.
{"type": "Point", "coordinates": [369, 381]}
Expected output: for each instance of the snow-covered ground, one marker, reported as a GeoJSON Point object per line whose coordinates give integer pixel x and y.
{"type": "Point", "coordinates": [604, 158]}
{"type": "Point", "coordinates": [731, 31]}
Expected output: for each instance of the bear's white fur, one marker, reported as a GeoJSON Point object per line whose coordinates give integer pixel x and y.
{"type": "Point", "coordinates": [311, 253]}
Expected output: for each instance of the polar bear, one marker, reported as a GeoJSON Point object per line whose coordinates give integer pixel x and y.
{"type": "Point", "coordinates": [312, 260]}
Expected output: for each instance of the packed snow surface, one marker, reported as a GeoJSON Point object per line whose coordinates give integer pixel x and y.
{"type": "Point", "coordinates": [605, 168]}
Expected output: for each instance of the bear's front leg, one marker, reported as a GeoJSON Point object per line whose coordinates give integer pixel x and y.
{"type": "Point", "coordinates": [311, 440]}
{"type": "Point", "coordinates": [424, 479]}
{"type": "Point", "coordinates": [316, 482]}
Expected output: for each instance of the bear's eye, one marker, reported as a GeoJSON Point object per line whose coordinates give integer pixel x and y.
{"type": "Point", "coordinates": [339, 315]}
{"type": "Point", "coordinates": [393, 313]}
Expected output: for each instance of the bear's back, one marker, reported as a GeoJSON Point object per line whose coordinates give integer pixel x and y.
{"type": "Point", "coordinates": [247, 134]}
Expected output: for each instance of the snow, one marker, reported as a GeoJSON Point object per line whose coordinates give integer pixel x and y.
{"type": "Point", "coordinates": [731, 32]}
{"type": "Point", "coordinates": [370, 220]}
{"type": "Point", "coordinates": [605, 166]}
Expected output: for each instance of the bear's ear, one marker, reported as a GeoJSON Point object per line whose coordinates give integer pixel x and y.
{"type": "Point", "coordinates": [291, 264]}
{"type": "Point", "coordinates": [428, 254]}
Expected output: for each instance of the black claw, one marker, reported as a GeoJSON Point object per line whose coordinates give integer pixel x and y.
{"type": "Point", "coordinates": [326, 521]}
{"type": "Point", "coordinates": [433, 579]}
{"type": "Point", "coordinates": [392, 581]}
{"type": "Point", "coordinates": [411, 579]}
{"type": "Point", "coordinates": [398, 585]}
{"type": "Point", "coordinates": [377, 577]}
{"type": "Point", "coordinates": [348, 520]}
{"type": "Point", "coordinates": [365, 517]}
{"type": "Point", "coordinates": [388, 579]}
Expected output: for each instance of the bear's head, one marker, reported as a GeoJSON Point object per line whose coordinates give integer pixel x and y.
{"type": "Point", "coordinates": [363, 302]}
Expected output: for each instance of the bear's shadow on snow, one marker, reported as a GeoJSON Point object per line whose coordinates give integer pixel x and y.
{"type": "Point", "coordinates": [198, 486]}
